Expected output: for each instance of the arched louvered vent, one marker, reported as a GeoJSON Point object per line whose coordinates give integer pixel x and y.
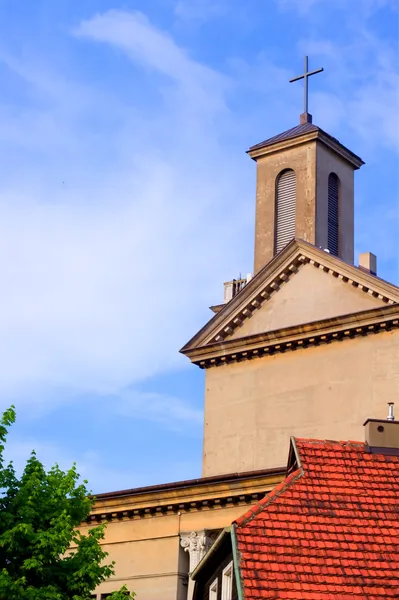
{"type": "Point", "coordinates": [285, 209]}
{"type": "Point", "coordinates": [333, 201]}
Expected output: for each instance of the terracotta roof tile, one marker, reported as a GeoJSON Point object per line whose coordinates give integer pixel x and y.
{"type": "Point", "coordinates": [329, 531]}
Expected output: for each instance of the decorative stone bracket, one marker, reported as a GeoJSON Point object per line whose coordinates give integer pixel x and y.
{"type": "Point", "coordinates": [197, 544]}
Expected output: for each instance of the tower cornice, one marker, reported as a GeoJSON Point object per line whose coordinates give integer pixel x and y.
{"type": "Point", "coordinates": [300, 135]}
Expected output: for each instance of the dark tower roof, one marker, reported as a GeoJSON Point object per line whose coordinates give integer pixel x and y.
{"type": "Point", "coordinates": [301, 130]}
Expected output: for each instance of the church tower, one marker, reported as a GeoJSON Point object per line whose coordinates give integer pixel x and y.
{"type": "Point", "coordinates": [293, 351]}
{"type": "Point", "coordinates": [304, 189]}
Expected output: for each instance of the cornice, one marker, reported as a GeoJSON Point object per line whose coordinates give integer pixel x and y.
{"type": "Point", "coordinates": [273, 276]}
{"type": "Point", "coordinates": [282, 145]}
{"type": "Point", "coordinates": [298, 337]}
{"type": "Point", "coordinates": [312, 136]}
{"type": "Point", "coordinates": [338, 148]}
{"type": "Point", "coordinates": [222, 492]}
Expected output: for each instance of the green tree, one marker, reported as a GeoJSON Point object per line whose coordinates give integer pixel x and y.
{"type": "Point", "coordinates": [42, 554]}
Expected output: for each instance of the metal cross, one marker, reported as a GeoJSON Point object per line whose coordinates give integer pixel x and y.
{"type": "Point", "coordinates": [305, 77]}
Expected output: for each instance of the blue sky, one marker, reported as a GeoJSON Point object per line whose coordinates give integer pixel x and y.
{"type": "Point", "coordinates": [126, 199]}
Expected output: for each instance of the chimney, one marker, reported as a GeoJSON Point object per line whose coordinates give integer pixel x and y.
{"type": "Point", "coordinates": [382, 436]}
{"type": "Point", "coordinates": [368, 263]}
{"type": "Point", "coordinates": [228, 291]}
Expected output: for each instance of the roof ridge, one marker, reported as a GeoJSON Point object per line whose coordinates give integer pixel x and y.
{"type": "Point", "coordinates": [269, 498]}
{"type": "Point", "coordinates": [325, 442]}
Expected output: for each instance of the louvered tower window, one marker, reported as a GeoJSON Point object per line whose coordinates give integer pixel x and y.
{"type": "Point", "coordinates": [333, 202]}
{"type": "Point", "coordinates": [285, 209]}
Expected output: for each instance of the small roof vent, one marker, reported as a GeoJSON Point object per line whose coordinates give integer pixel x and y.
{"type": "Point", "coordinates": [382, 436]}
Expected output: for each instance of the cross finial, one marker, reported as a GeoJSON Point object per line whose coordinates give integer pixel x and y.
{"type": "Point", "coordinates": [306, 117]}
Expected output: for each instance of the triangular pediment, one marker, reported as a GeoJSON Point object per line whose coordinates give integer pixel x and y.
{"type": "Point", "coordinates": [301, 285]}
{"type": "Point", "coordinates": [308, 295]}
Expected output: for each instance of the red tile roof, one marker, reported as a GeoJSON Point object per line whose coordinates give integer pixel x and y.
{"type": "Point", "coordinates": [330, 531]}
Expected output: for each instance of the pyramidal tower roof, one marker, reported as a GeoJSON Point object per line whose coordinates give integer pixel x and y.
{"type": "Point", "coordinates": [286, 135]}
{"type": "Point", "coordinates": [302, 133]}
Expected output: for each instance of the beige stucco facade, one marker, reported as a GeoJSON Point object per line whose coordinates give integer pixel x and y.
{"type": "Point", "coordinates": [146, 529]}
{"type": "Point", "coordinates": [309, 295]}
{"type": "Point", "coordinates": [302, 159]}
{"type": "Point", "coordinates": [327, 392]}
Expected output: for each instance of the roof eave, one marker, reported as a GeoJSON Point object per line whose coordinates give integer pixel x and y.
{"type": "Point", "coordinates": [256, 152]}
{"type": "Point", "coordinates": [364, 322]}
{"type": "Point", "coordinates": [236, 562]}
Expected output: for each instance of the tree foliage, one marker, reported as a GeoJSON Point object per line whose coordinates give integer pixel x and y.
{"type": "Point", "coordinates": [43, 556]}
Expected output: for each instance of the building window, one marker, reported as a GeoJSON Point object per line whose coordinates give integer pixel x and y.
{"type": "Point", "coordinates": [213, 590]}
{"type": "Point", "coordinates": [285, 209]}
{"type": "Point", "coordinates": [227, 582]}
{"type": "Point", "coordinates": [333, 206]}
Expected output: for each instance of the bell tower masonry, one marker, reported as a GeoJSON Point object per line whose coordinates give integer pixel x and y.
{"type": "Point", "coordinates": [304, 189]}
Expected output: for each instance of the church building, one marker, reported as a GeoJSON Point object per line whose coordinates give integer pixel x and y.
{"type": "Point", "coordinates": [306, 347]}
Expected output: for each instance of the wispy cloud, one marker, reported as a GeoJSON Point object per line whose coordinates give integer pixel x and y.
{"type": "Point", "coordinates": [364, 76]}
{"type": "Point", "coordinates": [106, 233]}
{"type": "Point", "coordinates": [361, 81]}
{"type": "Point", "coordinates": [108, 254]}
{"type": "Point", "coordinates": [155, 49]}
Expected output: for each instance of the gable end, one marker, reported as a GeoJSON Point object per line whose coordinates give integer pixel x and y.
{"type": "Point", "coordinates": [265, 293]}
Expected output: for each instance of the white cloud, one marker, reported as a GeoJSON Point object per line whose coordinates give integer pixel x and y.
{"type": "Point", "coordinates": [108, 252]}
{"type": "Point", "coordinates": [155, 49]}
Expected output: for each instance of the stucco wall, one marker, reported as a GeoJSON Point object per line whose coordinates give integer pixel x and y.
{"type": "Point", "coordinates": [309, 295]}
{"type": "Point", "coordinates": [148, 555]}
{"type": "Point", "coordinates": [303, 160]}
{"type": "Point", "coordinates": [329, 162]}
{"type": "Point", "coordinates": [253, 407]}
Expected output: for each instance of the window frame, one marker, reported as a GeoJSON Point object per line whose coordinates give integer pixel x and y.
{"type": "Point", "coordinates": [227, 581]}
{"type": "Point", "coordinates": [213, 589]}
